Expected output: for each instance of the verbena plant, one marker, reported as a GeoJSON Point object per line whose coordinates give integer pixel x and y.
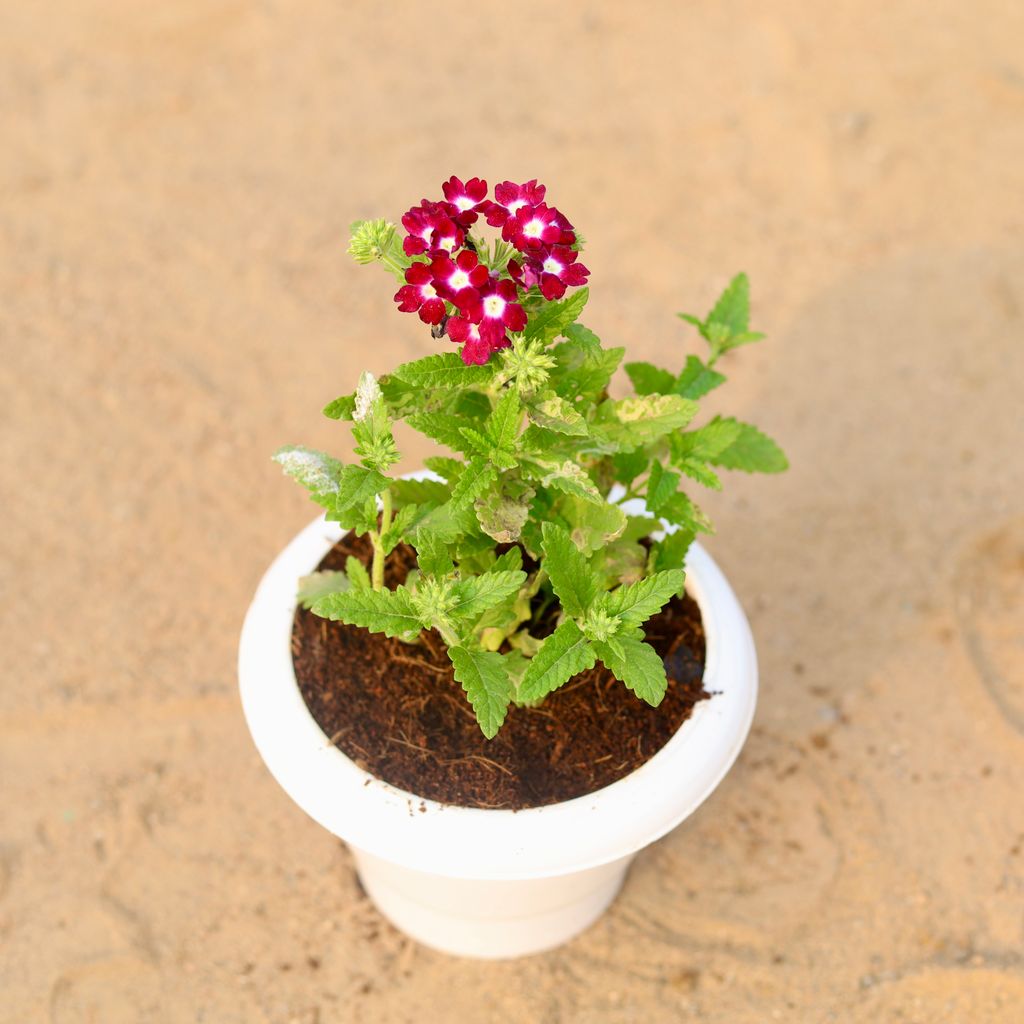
{"type": "Point", "coordinates": [528, 509]}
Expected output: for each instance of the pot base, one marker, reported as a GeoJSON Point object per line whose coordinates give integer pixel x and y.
{"type": "Point", "coordinates": [486, 919]}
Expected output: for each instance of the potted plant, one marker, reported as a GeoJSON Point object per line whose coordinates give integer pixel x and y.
{"type": "Point", "coordinates": [499, 679]}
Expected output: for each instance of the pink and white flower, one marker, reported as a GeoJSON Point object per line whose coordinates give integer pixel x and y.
{"type": "Point", "coordinates": [509, 198]}
{"type": "Point", "coordinates": [475, 349]}
{"type": "Point", "coordinates": [419, 294]}
{"type": "Point", "coordinates": [466, 198]}
{"type": "Point", "coordinates": [459, 280]}
{"type": "Point", "coordinates": [559, 270]}
{"type": "Point", "coordinates": [532, 228]}
{"type": "Point", "coordinates": [497, 311]}
{"type": "Point", "coordinates": [431, 228]}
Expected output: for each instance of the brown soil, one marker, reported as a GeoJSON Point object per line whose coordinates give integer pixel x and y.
{"type": "Point", "coordinates": [398, 712]}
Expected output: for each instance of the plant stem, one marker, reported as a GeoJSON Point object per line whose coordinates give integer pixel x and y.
{"type": "Point", "coordinates": [377, 576]}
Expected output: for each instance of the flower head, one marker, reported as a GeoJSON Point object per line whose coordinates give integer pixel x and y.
{"type": "Point", "coordinates": [553, 271]}
{"type": "Point", "coordinates": [532, 228]}
{"type": "Point", "coordinates": [420, 294]}
{"type": "Point", "coordinates": [466, 199]}
{"type": "Point", "coordinates": [458, 280]}
{"type": "Point", "coordinates": [509, 198]}
{"type": "Point", "coordinates": [431, 229]}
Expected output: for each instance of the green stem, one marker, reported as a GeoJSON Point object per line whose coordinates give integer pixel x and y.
{"type": "Point", "coordinates": [377, 576]}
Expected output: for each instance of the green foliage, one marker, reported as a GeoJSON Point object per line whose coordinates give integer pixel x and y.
{"type": "Point", "coordinates": [530, 565]}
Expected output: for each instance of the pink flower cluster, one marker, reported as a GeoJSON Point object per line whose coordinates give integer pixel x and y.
{"type": "Point", "coordinates": [482, 306]}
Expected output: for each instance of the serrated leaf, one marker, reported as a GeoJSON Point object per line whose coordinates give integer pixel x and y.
{"type": "Point", "coordinates": [551, 412]}
{"type": "Point", "coordinates": [629, 465]}
{"type": "Point", "coordinates": [670, 551]}
{"type": "Point", "coordinates": [478, 475]}
{"type": "Point", "coordinates": [319, 473]}
{"type": "Point", "coordinates": [320, 584]}
{"type": "Point", "coordinates": [636, 664]}
{"type": "Point", "coordinates": [341, 408]}
{"type": "Point", "coordinates": [503, 425]}
{"type": "Point", "coordinates": [732, 310]}
{"type": "Point", "coordinates": [637, 602]}
{"type": "Point", "coordinates": [682, 511]}
{"type": "Point", "coordinates": [562, 655]}
{"type": "Point", "coordinates": [631, 423]}
{"type": "Point", "coordinates": [487, 685]}
{"type": "Point", "coordinates": [445, 467]}
{"type": "Point", "coordinates": [502, 513]}
{"type": "Point", "coordinates": [569, 478]}
{"type": "Point", "coordinates": [356, 486]}
{"type": "Point", "coordinates": [592, 524]}
{"type": "Point", "coordinates": [751, 451]}
{"type": "Point", "coordinates": [473, 596]}
{"type": "Point", "coordinates": [572, 580]}
{"type": "Point", "coordinates": [419, 492]}
{"type": "Point", "coordinates": [696, 379]}
{"type": "Point", "coordinates": [708, 441]}
{"type": "Point", "coordinates": [357, 575]}
{"type": "Point", "coordinates": [448, 429]}
{"type": "Point", "coordinates": [404, 521]}
{"type": "Point", "coordinates": [582, 367]}
{"type": "Point", "coordinates": [699, 471]}
{"type": "Point", "coordinates": [648, 379]}
{"type": "Point", "coordinates": [391, 612]}
{"type": "Point", "coordinates": [432, 554]}
{"type": "Point", "coordinates": [443, 370]}
{"type": "Point", "coordinates": [661, 485]}
{"type": "Point", "coordinates": [554, 317]}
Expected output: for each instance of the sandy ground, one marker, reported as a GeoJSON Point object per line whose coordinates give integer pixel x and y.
{"type": "Point", "coordinates": [176, 181]}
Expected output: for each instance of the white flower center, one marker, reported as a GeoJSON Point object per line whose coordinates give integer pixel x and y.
{"type": "Point", "coordinates": [516, 204]}
{"type": "Point", "coordinates": [464, 203]}
{"type": "Point", "coordinates": [552, 266]}
{"type": "Point", "coordinates": [533, 228]}
{"type": "Point", "coordinates": [494, 306]}
{"type": "Point", "coordinates": [448, 243]}
{"type": "Point", "coordinates": [428, 291]}
{"type": "Point", "coordinates": [458, 281]}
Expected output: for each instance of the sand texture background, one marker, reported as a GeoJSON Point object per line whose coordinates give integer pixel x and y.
{"type": "Point", "coordinates": [176, 182]}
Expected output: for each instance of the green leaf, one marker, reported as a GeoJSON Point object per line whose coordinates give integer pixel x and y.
{"type": "Point", "coordinates": [592, 525]}
{"type": "Point", "coordinates": [682, 511]}
{"type": "Point", "coordinates": [340, 408]}
{"type": "Point", "coordinates": [319, 473]}
{"type": "Point", "coordinates": [696, 379]}
{"type": "Point", "coordinates": [751, 451]}
{"type": "Point", "coordinates": [450, 469]}
{"type": "Point", "coordinates": [503, 512]}
{"type": "Point", "coordinates": [569, 478]}
{"type": "Point", "coordinates": [552, 412]}
{"type": "Point", "coordinates": [503, 425]}
{"type": "Point", "coordinates": [637, 602]}
{"type": "Point", "coordinates": [478, 475]}
{"type": "Point", "coordinates": [405, 521]}
{"type": "Point", "coordinates": [320, 584]}
{"type": "Point", "coordinates": [487, 685]}
{"type": "Point", "coordinates": [391, 612]}
{"type": "Point", "coordinates": [419, 492]}
{"type": "Point", "coordinates": [562, 655]}
{"type": "Point", "coordinates": [432, 554]}
{"type": "Point", "coordinates": [473, 596]}
{"type": "Point", "coordinates": [582, 367]}
{"type": "Point", "coordinates": [446, 428]}
{"type": "Point", "coordinates": [356, 486]}
{"type": "Point", "coordinates": [648, 379]}
{"type": "Point", "coordinates": [629, 465]}
{"type": "Point", "coordinates": [661, 485]}
{"type": "Point", "coordinates": [357, 575]}
{"type": "Point", "coordinates": [371, 425]}
{"type": "Point", "coordinates": [443, 370]}
{"type": "Point", "coordinates": [710, 440]}
{"type": "Point", "coordinates": [554, 317]}
{"type": "Point", "coordinates": [571, 578]}
{"type": "Point", "coordinates": [636, 664]}
{"type": "Point", "coordinates": [670, 551]}
{"type": "Point", "coordinates": [699, 471]}
{"type": "Point", "coordinates": [631, 423]}
{"type": "Point", "coordinates": [732, 310]}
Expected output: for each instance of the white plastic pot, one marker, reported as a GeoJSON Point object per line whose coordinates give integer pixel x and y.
{"type": "Point", "coordinates": [491, 883]}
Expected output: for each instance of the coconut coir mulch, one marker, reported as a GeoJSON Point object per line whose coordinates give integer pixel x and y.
{"type": "Point", "coordinates": [398, 712]}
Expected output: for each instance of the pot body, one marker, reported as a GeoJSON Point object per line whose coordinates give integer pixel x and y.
{"type": "Point", "coordinates": [478, 882]}
{"type": "Point", "coordinates": [486, 917]}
